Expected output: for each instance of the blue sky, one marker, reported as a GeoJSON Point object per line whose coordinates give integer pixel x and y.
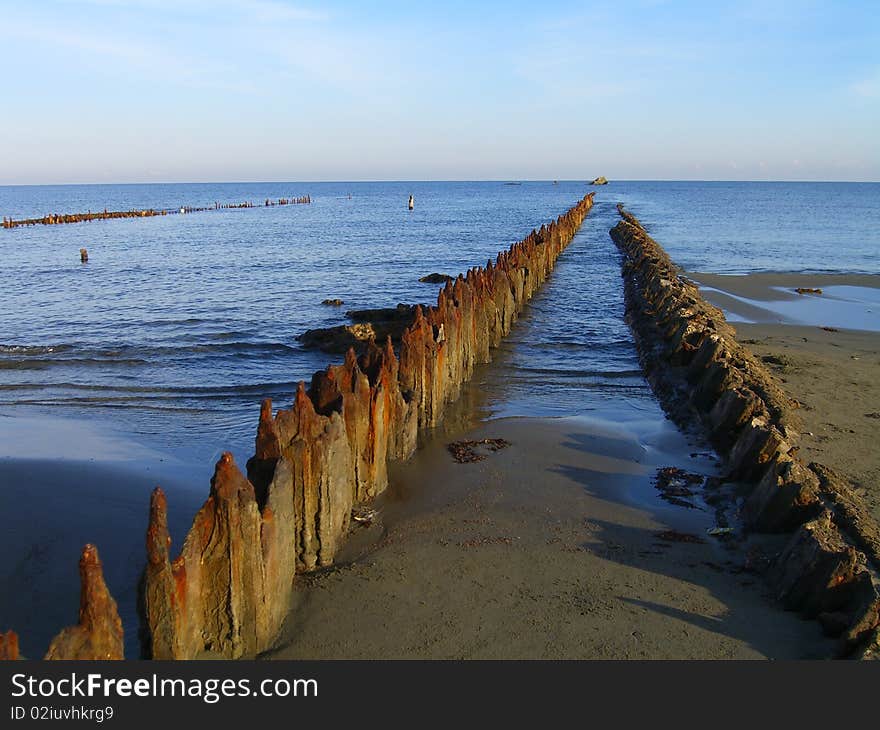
{"type": "Point", "coordinates": [170, 90]}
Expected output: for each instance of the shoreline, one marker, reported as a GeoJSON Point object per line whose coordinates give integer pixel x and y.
{"type": "Point", "coordinates": [549, 548]}
{"type": "Point", "coordinates": [486, 547]}
{"type": "Point", "coordinates": [313, 463]}
{"type": "Point", "coordinates": [702, 588]}
{"type": "Point", "coordinates": [844, 301]}
{"type": "Point", "coordinates": [826, 568]}
{"type": "Point", "coordinates": [59, 505]}
{"type": "Point", "coordinates": [833, 373]}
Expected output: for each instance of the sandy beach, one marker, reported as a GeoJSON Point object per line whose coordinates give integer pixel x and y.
{"type": "Point", "coordinates": [834, 376]}
{"type": "Point", "coordinates": [551, 548]}
{"type": "Point", "coordinates": [841, 301]}
{"type": "Point", "coordinates": [832, 371]}
{"type": "Point", "coordinates": [67, 484]}
{"type": "Point", "coordinates": [557, 546]}
{"type": "Point", "coordinates": [470, 348]}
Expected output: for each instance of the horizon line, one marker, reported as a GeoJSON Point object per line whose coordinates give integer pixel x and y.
{"type": "Point", "coordinates": [450, 180]}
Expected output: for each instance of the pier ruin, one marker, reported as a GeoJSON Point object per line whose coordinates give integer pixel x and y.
{"type": "Point", "coordinates": [227, 591]}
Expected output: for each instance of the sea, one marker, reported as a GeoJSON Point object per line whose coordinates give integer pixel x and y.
{"type": "Point", "coordinates": [158, 351]}
{"type": "Point", "coordinates": [178, 325]}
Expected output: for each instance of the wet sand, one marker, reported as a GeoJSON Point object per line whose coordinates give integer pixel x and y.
{"type": "Point", "coordinates": [546, 549]}
{"type": "Point", "coordinates": [835, 376]}
{"type": "Point", "coordinates": [847, 301]}
{"type": "Point", "coordinates": [55, 501]}
{"type": "Point", "coordinates": [832, 371]}
{"type": "Point", "coordinates": [771, 285]}
{"type": "Point", "coordinates": [550, 548]}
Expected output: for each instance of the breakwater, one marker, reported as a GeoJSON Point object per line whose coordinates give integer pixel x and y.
{"type": "Point", "coordinates": [828, 566]}
{"type": "Point", "coordinates": [60, 218]}
{"type": "Point", "coordinates": [227, 591]}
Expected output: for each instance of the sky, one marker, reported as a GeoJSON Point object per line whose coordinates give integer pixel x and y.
{"type": "Point", "coordinates": [258, 90]}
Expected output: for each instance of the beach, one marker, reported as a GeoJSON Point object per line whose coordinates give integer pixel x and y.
{"type": "Point", "coordinates": [833, 372]}
{"type": "Point", "coordinates": [66, 483]}
{"type": "Point", "coordinates": [551, 548]}
{"type": "Point", "coordinates": [487, 345]}
{"type": "Point", "coordinates": [557, 546]}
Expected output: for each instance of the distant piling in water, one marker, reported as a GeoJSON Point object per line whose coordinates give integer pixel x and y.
{"type": "Point", "coordinates": [84, 255]}
{"type": "Point", "coordinates": [412, 202]}
{"type": "Point", "coordinates": [53, 219]}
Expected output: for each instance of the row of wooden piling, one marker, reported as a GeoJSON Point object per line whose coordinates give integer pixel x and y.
{"type": "Point", "coordinates": [53, 219]}
{"type": "Point", "coordinates": [228, 591]}
{"type": "Point", "coordinates": [303, 200]}
{"type": "Point", "coordinates": [827, 567]}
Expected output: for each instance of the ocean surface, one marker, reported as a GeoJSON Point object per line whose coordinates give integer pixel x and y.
{"type": "Point", "coordinates": [179, 325]}
{"type": "Point", "coordinates": [153, 357]}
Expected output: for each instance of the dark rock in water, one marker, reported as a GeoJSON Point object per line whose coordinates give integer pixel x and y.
{"type": "Point", "coordinates": [402, 312]}
{"type": "Point", "coordinates": [807, 290]}
{"type": "Point", "coordinates": [333, 302]}
{"type": "Point", "coordinates": [599, 181]}
{"type": "Point", "coordinates": [371, 325]}
{"type": "Point", "coordinates": [436, 278]}
{"type": "Point", "coordinates": [338, 339]}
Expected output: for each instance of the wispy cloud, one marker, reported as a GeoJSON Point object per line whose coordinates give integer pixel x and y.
{"type": "Point", "coordinates": [228, 45]}
{"type": "Point", "coordinates": [867, 87]}
{"type": "Point", "coordinates": [261, 10]}
{"type": "Point", "coordinates": [272, 11]}
{"type": "Point", "coordinates": [128, 56]}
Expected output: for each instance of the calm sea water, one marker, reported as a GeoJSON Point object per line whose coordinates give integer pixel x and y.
{"type": "Point", "coordinates": [179, 325]}
{"type": "Point", "coordinates": [161, 347]}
